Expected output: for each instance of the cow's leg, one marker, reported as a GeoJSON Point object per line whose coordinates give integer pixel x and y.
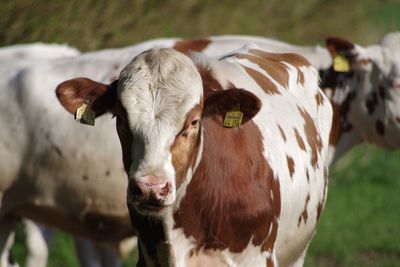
{"type": "Point", "coordinates": [108, 254]}
{"type": "Point", "coordinates": [37, 243]}
{"type": "Point", "coordinates": [127, 246]}
{"type": "Point", "coordinates": [7, 226]}
{"type": "Point", "coordinates": [86, 252]}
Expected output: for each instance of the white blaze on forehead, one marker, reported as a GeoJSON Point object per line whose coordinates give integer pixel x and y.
{"type": "Point", "coordinates": [157, 89]}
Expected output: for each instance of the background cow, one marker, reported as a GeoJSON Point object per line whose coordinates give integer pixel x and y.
{"type": "Point", "coordinates": [201, 194]}
{"type": "Point", "coordinates": [15, 177]}
{"type": "Point", "coordinates": [13, 60]}
{"type": "Point", "coordinates": [366, 97]}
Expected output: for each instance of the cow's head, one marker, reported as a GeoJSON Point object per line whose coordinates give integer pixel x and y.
{"type": "Point", "coordinates": [371, 68]}
{"type": "Point", "coordinates": [159, 105]}
{"type": "Point", "coordinates": [366, 83]}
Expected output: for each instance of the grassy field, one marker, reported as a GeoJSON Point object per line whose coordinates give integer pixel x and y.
{"type": "Point", "coordinates": [361, 223]}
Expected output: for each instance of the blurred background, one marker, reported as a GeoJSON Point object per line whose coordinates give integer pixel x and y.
{"type": "Point", "coordinates": [361, 222]}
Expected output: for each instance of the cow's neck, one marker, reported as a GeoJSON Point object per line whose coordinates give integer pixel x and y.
{"type": "Point", "coordinates": [154, 245]}
{"type": "Point", "coordinates": [225, 205]}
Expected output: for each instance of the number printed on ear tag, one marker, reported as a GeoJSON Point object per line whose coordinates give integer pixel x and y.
{"type": "Point", "coordinates": [85, 115]}
{"type": "Point", "coordinates": [233, 118]}
{"type": "Point", "coordinates": [341, 64]}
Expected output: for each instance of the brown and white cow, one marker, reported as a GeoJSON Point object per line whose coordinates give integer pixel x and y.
{"type": "Point", "coordinates": [366, 96]}
{"type": "Point", "coordinates": [201, 194]}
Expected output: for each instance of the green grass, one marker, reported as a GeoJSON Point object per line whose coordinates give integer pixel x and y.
{"type": "Point", "coordinates": [361, 222]}
{"type": "Point", "coordinates": [94, 24]}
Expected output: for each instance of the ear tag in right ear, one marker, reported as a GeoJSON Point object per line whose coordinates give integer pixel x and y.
{"type": "Point", "coordinates": [341, 64]}
{"type": "Point", "coordinates": [85, 115]}
{"type": "Point", "coordinates": [233, 118]}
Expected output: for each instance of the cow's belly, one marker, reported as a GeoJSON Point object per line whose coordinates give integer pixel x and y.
{"type": "Point", "coordinates": [12, 139]}
{"type": "Point", "coordinates": [72, 193]}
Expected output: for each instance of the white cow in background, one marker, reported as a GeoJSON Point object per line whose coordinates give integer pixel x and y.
{"type": "Point", "coordinates": [14, 59]}
{"type": "Point", "coordinates": [37, 51]}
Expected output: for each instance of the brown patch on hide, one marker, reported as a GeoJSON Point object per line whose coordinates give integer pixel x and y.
{"type": "Point", "coordinates": [293, 59]}
{"type": "Point", "coordinates": [336, 129]}
{"type": "Point", "coordinates": [319, 98]}
{"type": "Point", "coordinates": [210, 83]}
{"type": "Point", "coordinates": [304, 215]}
{"type": "Point", "coordinates": [195, 45]}
{"type": "Point", "coordinates": [263, 81]}
{"type": "Point", "coordinates": [186, 146]}
{"type": "Point", "coordinates": [299, 140]}
{"type": "Point", "coordinates": [229, 190]}
{"type": "Point", "coordinates": [277, 70]}
{"type": "Point", "coordinates": [290, 163]}
{"type": "Point", "coordinates": [312, 136]}
{"type": "Point", "coordinates": [282, 133]}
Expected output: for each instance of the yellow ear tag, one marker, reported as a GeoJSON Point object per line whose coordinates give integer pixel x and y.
{"type": "Point", "coordinates": [341, 64]}
{"type": "Point", "coordinates": [233, 118]}
{"type": "Point", "coordinates": [85, 115]}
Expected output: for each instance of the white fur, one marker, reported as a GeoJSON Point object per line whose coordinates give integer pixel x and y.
{"type": "Point", "coordinates": [155, 112]}
{"type": "Point", "coordinates": [37, 51]}
{"type": "Point", "coordinates": [30, 112]}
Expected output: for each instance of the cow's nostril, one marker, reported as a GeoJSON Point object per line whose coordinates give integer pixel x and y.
{"type": "Point", "coordinates": [135, 189]}
{"type": "Point", "coordinates": [164, 189]}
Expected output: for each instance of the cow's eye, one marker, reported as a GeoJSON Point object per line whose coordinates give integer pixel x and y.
{"type": "Point", "coordinates": [194, 123]}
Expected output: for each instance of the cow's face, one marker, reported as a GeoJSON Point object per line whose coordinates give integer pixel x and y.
{"type": "Point", "coordinates": [374, 69]}
{"type": "Point", "coordinates": [159, 107]}
{"type": "Point", "coordinates": [158, 121]}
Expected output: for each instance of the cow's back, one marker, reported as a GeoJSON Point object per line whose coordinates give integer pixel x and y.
{"type": "Point", "coordinates": [70, 175]}
{"type": "Point", "coordinates": [14, 59]}
{"type": "Point", "coordinates": [36, 51]}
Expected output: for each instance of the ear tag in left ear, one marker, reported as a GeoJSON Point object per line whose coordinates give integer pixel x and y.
{"type": "Point", "coordinates": [85, 115]}
{"type": "Point", "coordinates": [233, 118]}
{"type": "Point", "coordinates": [341, 64]}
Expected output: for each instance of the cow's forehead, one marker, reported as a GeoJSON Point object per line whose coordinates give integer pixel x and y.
{"type": "Point", "coordinates": [387, 55]}
{"type": "Point", "coordinates": [159, 87]}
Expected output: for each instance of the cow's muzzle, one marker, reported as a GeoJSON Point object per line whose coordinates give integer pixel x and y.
{"type": "Point", "coordinates": [149, 194]}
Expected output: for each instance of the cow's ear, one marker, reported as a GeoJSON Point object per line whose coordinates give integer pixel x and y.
{"type": "Point", "coordinates": [220, 103]}
{"type": "Point", "coordinates": [345, 55]}
{"type": "Point", "coordinates": [73, 93]}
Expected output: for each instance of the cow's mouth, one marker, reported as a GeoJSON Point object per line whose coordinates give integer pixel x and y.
{"type": "Point", "coordinates": [151, 209]}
